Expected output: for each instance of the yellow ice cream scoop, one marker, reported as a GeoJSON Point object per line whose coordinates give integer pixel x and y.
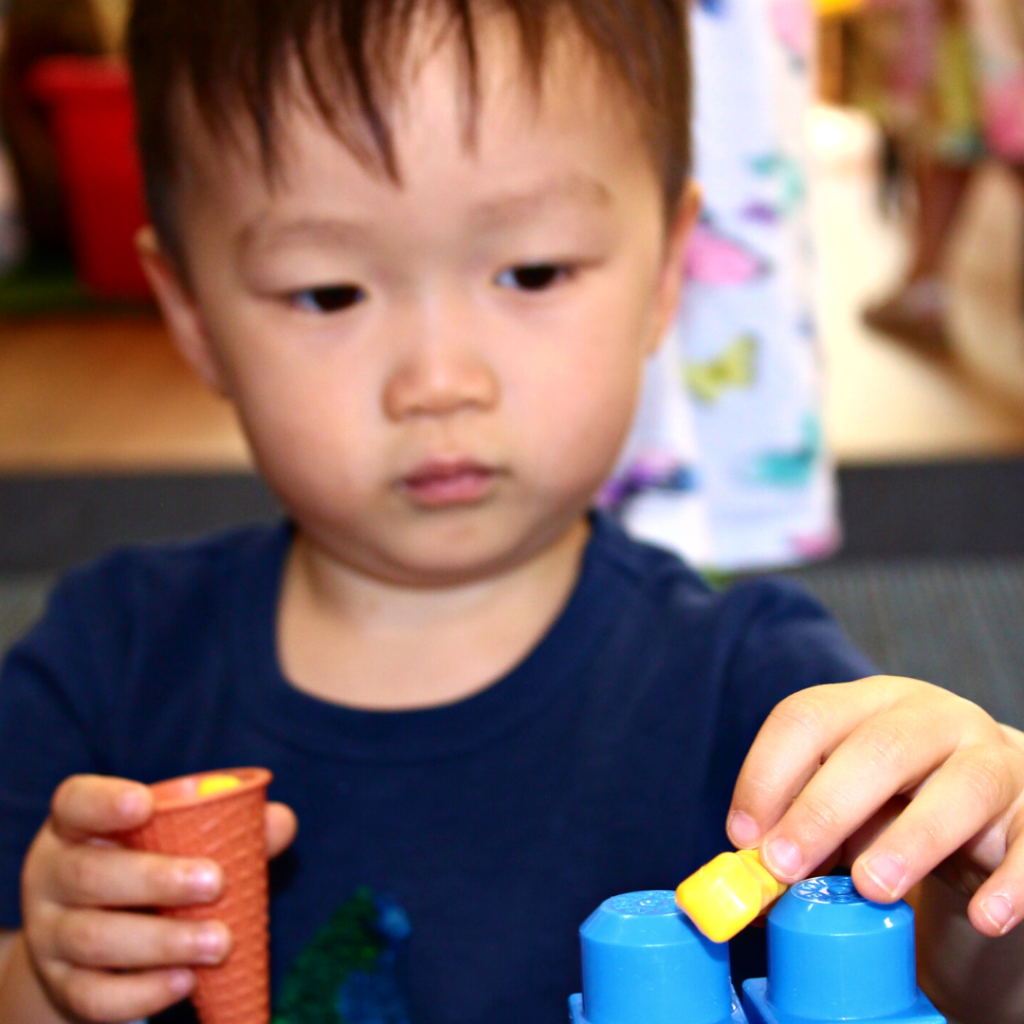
{"type": "Point", "coordinates": [212, 784]}
{"type": "Point", "coordinates": [725, 895]}
{"type": "Point", "coordinates": [837, 7]}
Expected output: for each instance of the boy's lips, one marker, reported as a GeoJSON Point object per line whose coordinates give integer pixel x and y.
{"type": "Point", "coordinates": [439, 482]}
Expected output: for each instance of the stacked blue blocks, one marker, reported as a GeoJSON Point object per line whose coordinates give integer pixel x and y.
{"type": "Point", "coordinates": [645, 963]}
{"type": "Point", "coordinates": [833, 956]}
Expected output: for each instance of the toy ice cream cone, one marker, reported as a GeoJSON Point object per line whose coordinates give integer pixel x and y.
{"type": "Point", "coordinates": [220, 815]}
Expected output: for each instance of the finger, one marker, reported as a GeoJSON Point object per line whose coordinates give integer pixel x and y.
{"type": "Point", "coordinates": [91, 876]}
{"type": "Point", "coordinates": [822, 869]}
{"type": "Point", "coordinates": [861, 840]}
{"type": "Point", "coordinates": [973, 787]}
{"type": "Point", "coordinates": [889, 753]}
{"type": "Point", "coordinates": [115, 939]}
{"type": "Point", "coordinates": [86, 805]}
{"type": "Point", "coordinates": [281, 828]}
{"type": "Point", "coordinates": [102, 996]}
{"type": "Point", "coordinates": [797, 737]}
{"type": "Point", "coordinates": [998, 905]}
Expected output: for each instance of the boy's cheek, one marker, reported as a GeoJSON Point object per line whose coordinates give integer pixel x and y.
{"type": "Point", "coordinates": [574, 452]}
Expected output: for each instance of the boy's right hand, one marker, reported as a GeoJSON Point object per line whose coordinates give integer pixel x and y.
{"type": "Point", "coordinates": [96, 956]}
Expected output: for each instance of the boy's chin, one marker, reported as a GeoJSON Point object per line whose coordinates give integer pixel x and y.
{"type": "Point", "coordinates": [451, 547]}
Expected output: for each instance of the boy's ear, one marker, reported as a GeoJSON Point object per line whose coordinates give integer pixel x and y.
{"type": "Point", "coordinates": [670, 285]}
{"type": "Point", "coordinates": [180, 310]}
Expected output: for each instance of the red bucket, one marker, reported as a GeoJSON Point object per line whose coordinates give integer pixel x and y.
{"type": "Point", "coordinates": [93, 120]}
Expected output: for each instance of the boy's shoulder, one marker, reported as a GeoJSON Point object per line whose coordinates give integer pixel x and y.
{"type": "Point", "coordinates": [138, 572]}
{"type": "Point", "coordinates": [105, 610]}
{"type": "Point", "coordinates": [183, 559]}
{"type": "Point", "coordinates": [665, 588]}
{"type": "Point", "coordinates": [142, 634]}
{"type": "Point", "coordinates": [765, 635]}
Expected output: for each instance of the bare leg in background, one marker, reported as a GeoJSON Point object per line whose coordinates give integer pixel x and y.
{"type": "Point", "coordinates": [916, 313]}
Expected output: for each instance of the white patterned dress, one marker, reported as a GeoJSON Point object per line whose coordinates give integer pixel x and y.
{"type": "Point", "coordinates": [726, 463]}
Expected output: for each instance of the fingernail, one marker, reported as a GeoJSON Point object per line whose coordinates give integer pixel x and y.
{"type": "Point", "coordinates": [211, 944]}
{"type": "Point", "coordinates": [743, 830]}
{"type": "Point", "coordinates": [180, 982]}
{"type": "Point", "coordinates": [204, 881]}
{"type": "Point", "coordinates": [783, 857]}
{"type": "Point", "coordinates": [999, 910]}
{"type": "Point", "coordinates": [886, 872]}
{"type": "Point", "coordinates": [131, 802]}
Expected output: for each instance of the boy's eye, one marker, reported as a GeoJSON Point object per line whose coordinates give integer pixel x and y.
{"type": "Point", "coordinates": [329, 299]}
{"type": "Point", "coordinates": [534, 277]}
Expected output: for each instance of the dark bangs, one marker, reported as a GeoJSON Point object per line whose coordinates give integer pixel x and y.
{"type": "Point", "coordinates": [238, 60]}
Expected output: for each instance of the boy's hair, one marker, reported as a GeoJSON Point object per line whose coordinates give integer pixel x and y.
{"type": "Point", "coordinates": [236, 60]}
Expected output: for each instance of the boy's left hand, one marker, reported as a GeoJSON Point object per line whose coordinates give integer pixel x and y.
{"type": "Point", "coordinates": [899, 778]}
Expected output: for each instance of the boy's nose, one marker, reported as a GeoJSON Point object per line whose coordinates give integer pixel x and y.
{"type": "Point", "coordinates": [439, 377]}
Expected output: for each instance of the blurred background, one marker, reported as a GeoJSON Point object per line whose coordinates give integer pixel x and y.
{"type": "Point", "coordinates": [917, 212]}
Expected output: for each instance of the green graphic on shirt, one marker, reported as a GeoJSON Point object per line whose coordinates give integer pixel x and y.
{"type": "Point", "coordinates": [347, 972]}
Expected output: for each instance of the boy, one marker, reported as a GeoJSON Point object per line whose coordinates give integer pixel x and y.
{"type": "Point", "coordinates": [425, 250]}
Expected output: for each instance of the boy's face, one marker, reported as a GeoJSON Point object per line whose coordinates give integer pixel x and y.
{"type": "Point", "coordinates": [435, 377]}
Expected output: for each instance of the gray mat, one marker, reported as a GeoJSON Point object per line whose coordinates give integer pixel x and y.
{"type": "Point", "coordinates": [931, 510]}
{"type": "Point", "coordinates": [955, 622]}
{"type": "Point", "coordinates": [958, 623]}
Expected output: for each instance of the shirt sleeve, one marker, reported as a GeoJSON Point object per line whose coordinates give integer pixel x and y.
{"type": "Point", "coordinates": [790, 642]}
{"type": "Point", "coordinates": [783, 641]}
{"type": "Point", "coordinates": [54, 707]}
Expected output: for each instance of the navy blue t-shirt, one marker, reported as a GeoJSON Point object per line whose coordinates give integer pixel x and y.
{"type": "Point", "coordinates": [461, 846]}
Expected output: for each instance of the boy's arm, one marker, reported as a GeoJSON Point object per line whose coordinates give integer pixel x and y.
{"type": "Point", "coordinates": [21, 996]}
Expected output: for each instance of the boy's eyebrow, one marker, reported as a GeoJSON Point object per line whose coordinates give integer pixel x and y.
{"type": "Point", "coordinates": [306, 229]}
{"type": "Point", "coordinates": [576, 187]}
{"type": "Point", "coordinates": [488, 215]}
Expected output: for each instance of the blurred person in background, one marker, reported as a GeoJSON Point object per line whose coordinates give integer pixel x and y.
{"type": "Point", "coordinates": [35, 29]}
{"type": "Point", "coordinates": [727, 463]}
{"type": "Point", "coordinates": [11, 238]}
{"type": "Point", "coordinates": [946, 78]}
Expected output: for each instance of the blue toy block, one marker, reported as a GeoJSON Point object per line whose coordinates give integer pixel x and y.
{"type": "Point", "coordinates": [835, 956]}
{"type": "Point", "coordinates": [644, 962]}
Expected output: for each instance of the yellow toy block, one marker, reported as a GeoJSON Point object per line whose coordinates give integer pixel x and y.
{"type": "Point", "coordinates": [725, 895]}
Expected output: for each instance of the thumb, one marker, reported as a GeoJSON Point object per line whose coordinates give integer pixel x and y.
{"type": "Point", "coordinates": [281, 828]}
{"type": "Point", "coordinates": [91, 805]}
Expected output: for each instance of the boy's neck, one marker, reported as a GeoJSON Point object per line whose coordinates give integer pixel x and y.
{"type": "Point", "coordinates": [351, 639]}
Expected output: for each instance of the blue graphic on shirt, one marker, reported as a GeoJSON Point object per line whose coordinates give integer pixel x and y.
{"type": "Point", "coordinates": [348, 973]}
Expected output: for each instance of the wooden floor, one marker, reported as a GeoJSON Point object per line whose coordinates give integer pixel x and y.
{"type": "Point", "coordinates": [110, 394]}
{"type": "Point", "coordinates": [885, 403]}
{"type": "Point", "coordinates": [106, 394]}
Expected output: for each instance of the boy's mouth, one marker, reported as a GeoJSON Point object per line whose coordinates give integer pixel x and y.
{"type": "Point", "coordinates": [440, 482]}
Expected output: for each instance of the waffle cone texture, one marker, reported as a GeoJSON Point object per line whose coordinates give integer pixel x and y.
{"type": "Point", "coordinates": [227, 827]}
